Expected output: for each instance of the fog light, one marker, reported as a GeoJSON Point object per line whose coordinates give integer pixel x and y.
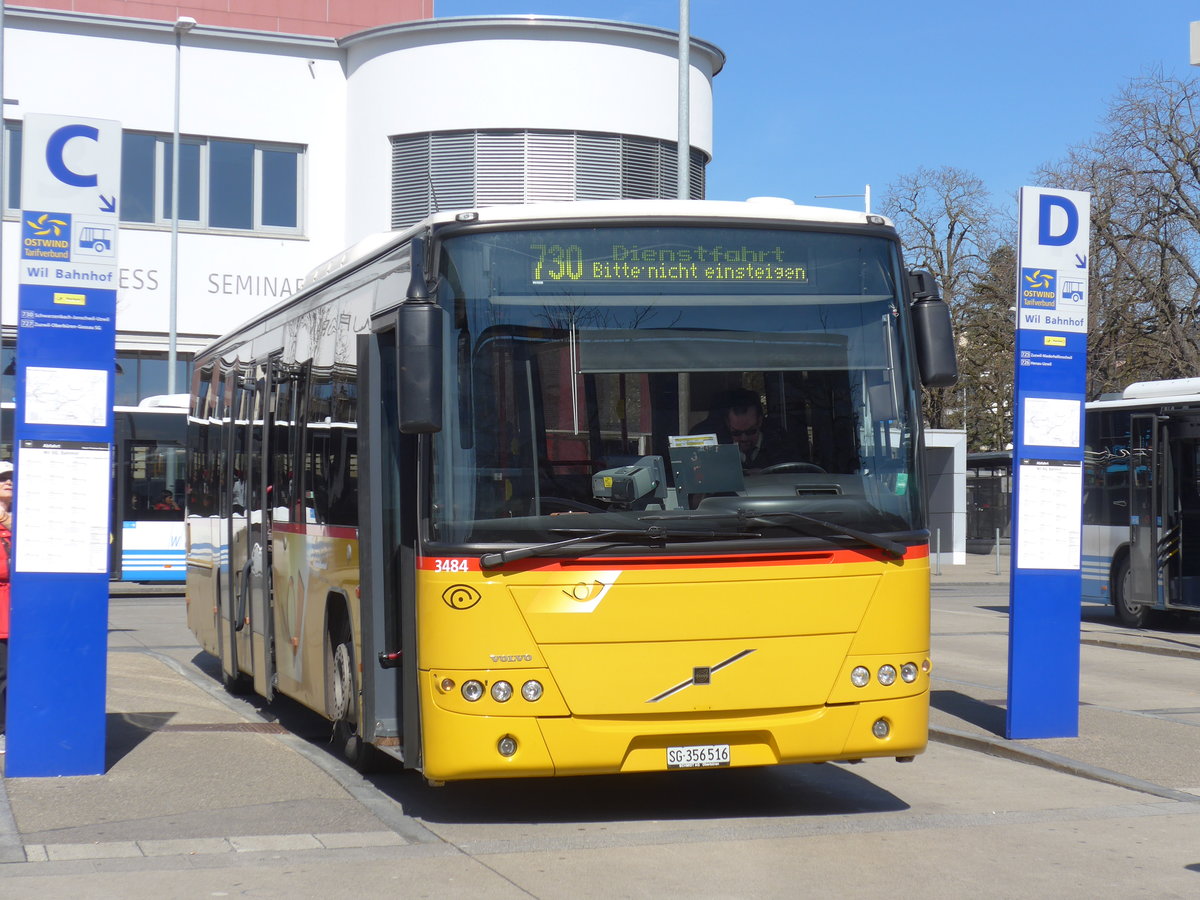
{"type": "Point", "coordinates": [881, 729]}
{"type": "Point", "coordinates": [501, 691]}
{"type": "Point", "coordinates": [887, 675]}
{"type": "Point", "coordinates": [926, 665]}
{"type": "Point", "coordinates": [472, 690]}
{"type": "Point", "coordinates": [860, 676]}
{"type": "Point", "coordinates": [447, 685]}
{"type": "Point", "coordinates": [908, 672]}
{"type": "Point", "coordinates": [507, 746]}
{"type": "Point", "coordinates": [531, 690]}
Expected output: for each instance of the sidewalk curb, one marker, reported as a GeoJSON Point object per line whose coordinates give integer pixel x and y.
{"type": "Point", "coordinates": [1178, 652]}
{"type": "Point", "coordinates": [12, 849]}
{"type": "Point", "coordinates": [1005, 749]}
{"type": "Point", "coordinates": [384, 808]}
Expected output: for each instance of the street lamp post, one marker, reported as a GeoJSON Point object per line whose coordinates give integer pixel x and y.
{"type": "Point", "coordinates": [183, 25]}
{"type": "Point", "coordinates": [683, 143]}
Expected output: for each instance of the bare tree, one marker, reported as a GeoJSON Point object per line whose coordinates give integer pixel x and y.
{"type": "Point", "coordinates": [1143, 171]}
{"type": "Point", "coordinates": [985, 354]}
{"type": "Point", "coordinates": [948, 226]}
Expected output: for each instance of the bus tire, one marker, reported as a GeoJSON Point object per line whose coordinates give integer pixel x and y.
{"type": "Point", "coordinates": [343, 703]}
{"type": "Point", "coordinates": [238, 685]}
{"type": "Point", "coordinates": [1130, 614]}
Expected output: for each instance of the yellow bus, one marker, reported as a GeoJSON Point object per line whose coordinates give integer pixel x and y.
{"type": "Point", "coordinates": [577, 488]}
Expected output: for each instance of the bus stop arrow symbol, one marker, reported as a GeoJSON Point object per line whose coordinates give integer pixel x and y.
{"type": "Point", "coordinates": [108, 204]}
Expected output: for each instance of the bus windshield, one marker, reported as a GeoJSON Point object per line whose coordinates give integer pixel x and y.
{"type": "Point", "coordinates": [607, 378]}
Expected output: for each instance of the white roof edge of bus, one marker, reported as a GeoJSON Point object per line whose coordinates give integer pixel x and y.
{"type": "Point", "coordinates": [1171, 387]}
{"type": "Point", "coordinates": [777, 208]}
{"type": "Point", "coordinates": [170, 401]}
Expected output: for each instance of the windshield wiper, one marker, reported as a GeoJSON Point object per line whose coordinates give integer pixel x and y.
{"type": "Point", "coordinates": [627, 535]}
{"type": "Point", "coordinates": [748, 517]}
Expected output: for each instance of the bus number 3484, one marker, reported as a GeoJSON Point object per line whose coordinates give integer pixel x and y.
{"type": "Point", "coordinates": [451, 565]}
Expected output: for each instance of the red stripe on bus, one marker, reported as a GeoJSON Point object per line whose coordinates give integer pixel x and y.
{"type": "Point", "coordinates": [329, 531]}
{"type": "Point", "coordinates": [451, 564]}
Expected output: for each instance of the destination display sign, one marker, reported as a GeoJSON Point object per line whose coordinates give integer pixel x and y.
{"type": "Point", "coordinates": [613, 263]}
{"type": "Point", "coordinates": [610, 262]}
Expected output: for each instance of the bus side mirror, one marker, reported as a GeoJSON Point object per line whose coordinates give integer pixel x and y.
{"type": "Point", "coordinates": [420, 369]}
{"type": "Point", "coordinates": [932, 332]}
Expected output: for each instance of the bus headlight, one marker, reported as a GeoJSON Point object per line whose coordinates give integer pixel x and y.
{"type": "Point", "coordinates": [531, 690]}
{"type": "Point", "coordinates": [860, 676]}
{"type": "Point", "coordinates": [887, 675]}
{"type": "Point", "coordinates": [501, 691]}
{"type": "Point", "coordinates": [908, 672]}
{"type": "Point", "coordinates": [881, 729]}
{"type": "Point", "coordinates": [506, 746]}
{"type": "Point", "coordinates": [472, 690]}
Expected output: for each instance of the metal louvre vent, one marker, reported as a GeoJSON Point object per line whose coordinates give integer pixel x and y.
{"type": "Point", "coordinates": [461, 169]}
{"type": "Point", "coordinates": [598, 159]}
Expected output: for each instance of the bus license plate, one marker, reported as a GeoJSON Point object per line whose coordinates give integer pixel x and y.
{"type": "Point", "coordinates": [697, 756]}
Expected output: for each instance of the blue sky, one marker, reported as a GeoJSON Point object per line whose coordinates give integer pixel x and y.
{"type": "Point", "coordinates": [819, 97]}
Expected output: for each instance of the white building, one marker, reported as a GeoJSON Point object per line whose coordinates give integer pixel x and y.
{"type": "Point", "coordinates": [294, 146]}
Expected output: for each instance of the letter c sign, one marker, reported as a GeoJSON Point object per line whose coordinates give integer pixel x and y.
{"type": "Point", "coordinates": [57, 144]}
{"type": "Point", "coordinates": [1046, 206]}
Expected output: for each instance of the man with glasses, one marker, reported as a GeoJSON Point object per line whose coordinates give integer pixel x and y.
{"type": "Point", "coordinates": [740, 420]}
{"type": "Point", "coordinates": [759, 443]}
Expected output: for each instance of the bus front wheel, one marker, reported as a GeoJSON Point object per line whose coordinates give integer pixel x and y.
{"type": "Point", "coordinates": [343, 705]}
{"type": "Point", "coordinates": [1130, 613]}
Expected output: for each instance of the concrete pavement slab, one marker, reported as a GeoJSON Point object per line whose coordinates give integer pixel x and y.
{"type": "Point", "coordinates": [213, 803]}
{"type": "Point", "coordinates": [168, 780]}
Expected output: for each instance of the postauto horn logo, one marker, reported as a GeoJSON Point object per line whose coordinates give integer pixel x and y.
{"type": "Point", "coordinates": [46, 235]}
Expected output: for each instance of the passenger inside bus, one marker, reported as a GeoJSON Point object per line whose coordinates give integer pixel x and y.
{"type": "Point", "coordinates": [166, 502]}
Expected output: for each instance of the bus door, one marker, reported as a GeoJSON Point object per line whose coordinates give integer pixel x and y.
{"type": "Point", "coordinates": [221, 420]}
{"type": "Point", "coordinates": [1182, 504]}
{"type": "Point", "coordinates": [284, 596]}
{"type": "Point", "coordinates": [250, 569]}
{"type": "Point", "coordinates": [387, 524]}
{"type": "Point", "coordinates": [1146, 523]}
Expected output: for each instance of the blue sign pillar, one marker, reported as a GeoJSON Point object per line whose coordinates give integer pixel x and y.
{"type": "Point", "coordinates": [66, 331]}
{"type": "Point", "coordinates": [1047, 509]}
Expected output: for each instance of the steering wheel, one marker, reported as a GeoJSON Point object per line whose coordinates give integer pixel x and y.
{"type": "Point", "coordinates": [555, 505]}
{"type": "Point", "coordinates": [797, 466]}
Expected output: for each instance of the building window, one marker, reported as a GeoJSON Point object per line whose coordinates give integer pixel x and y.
{"type": "Point", "coordinates": [223, 184]}
{"type": "Point", "coordinates": [143, 373]}
{"type": "Point", "coordinates": [12, 179]}
{"type": "Point", "coordinates": [456, 169]}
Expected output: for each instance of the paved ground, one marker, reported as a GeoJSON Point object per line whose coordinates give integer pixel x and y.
{"type": "Point", "coordinates": [205, 795]}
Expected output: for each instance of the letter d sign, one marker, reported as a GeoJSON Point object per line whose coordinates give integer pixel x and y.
{"type": "Point", "coordinates": [1060, 230]}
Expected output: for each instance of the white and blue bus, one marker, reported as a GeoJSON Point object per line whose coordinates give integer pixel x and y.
{"type": "Point", "coordinates": [1141, 500]}
{"type": "Point", "coordinates": [148, 491]}
{"type": "Point", "coordinates": [147, 537]}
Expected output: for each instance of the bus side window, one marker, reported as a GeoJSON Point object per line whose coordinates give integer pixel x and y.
{"type": "Point", "coordinates": [342, 468]}
{"type": "Point", "coordinates": [279, 474]}
{"type": "Point", "coordinates": [199, 500]}
{"type": "Point", "coordinates": [317, 426]}
{"type": "Point", "coordinates": [330, 451]}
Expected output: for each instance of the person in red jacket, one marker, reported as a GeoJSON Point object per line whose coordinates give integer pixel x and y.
{"type": "Point", "coordinates": [6, 499]}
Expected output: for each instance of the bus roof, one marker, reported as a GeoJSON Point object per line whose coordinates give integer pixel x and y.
{"type": "Point", "coordinates": [1168, 392]}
